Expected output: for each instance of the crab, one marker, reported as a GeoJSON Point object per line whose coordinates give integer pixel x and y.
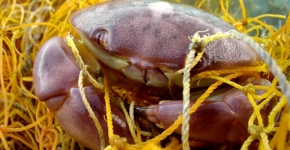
{"type": "Point", "coordinates": [140, 45]}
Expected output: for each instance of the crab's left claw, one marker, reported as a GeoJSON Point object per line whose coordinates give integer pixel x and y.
{"type": "Point", "coordinates": [55, 75]}
{"type": "Point", "coordinates": [219, 121]}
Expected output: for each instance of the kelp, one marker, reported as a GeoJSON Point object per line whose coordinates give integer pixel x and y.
{"type": "Point", "coordinates": [26, 123]}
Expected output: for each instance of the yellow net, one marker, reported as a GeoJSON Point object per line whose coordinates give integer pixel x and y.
{"type": "Point", "coordinates": [26, 123]}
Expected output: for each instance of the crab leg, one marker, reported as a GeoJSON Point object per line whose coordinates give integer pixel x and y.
{"type": "Point", "coordinates": [221, 121]}
{"type": "Point", "coordinates": [55, 76]}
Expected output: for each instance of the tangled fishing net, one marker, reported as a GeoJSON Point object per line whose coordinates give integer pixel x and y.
{"type": "Point", "coordinates": [26, 123]}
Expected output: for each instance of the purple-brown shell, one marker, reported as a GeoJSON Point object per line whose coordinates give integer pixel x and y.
{"type": "Point", "coordinates": [156, 35]}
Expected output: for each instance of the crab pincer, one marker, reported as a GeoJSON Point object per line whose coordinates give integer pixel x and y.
{"type": "Point", "coordinates": [219, 119]}
{"type": "Point", "coordinates": [56, 75]}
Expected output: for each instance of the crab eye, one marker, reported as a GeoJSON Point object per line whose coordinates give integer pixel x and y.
{"type": "Point", "coordinates": [102, 38]}
{"type": "Point", "coordinates": [199, 64]}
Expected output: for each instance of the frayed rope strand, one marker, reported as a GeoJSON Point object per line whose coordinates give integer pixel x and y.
{"type": "Point", "coordinates": [191, 61]}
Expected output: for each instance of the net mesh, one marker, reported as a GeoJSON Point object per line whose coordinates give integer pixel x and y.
{"type": "Point", "coordinates": [26, 123]}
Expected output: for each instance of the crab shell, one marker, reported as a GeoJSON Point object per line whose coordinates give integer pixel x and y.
{"type": "Point", "coordinates": [149, 41]}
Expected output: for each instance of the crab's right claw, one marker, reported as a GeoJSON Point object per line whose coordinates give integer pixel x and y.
{"type": "Point", "coordinates": [222, 120]}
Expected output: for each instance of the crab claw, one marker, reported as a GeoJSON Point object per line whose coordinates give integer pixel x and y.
{"type": "Point", "coordinates": [55, 78]}
{"type": "Point", "coordinates": [220, 121]}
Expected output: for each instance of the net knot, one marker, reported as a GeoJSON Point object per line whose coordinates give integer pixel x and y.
{"type": "Point", "coordinates": [118, 142]}
{"type": "Point", "coordinates": [249, 89]}
{"type": "Point", "coordinates": [255, 131]}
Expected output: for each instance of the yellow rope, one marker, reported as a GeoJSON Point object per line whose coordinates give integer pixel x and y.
{"type": "Point", "coordinates": [70, 42]}
{"type": "Point", "coordinates": [129, 122]}
{"type": "Point", "coordinates": [21, 140]}
{"type": "Point", "coordinates": [284, 125]}
{"type": "Point", "coordinates": [131, 114]}
{"type": "Point", "coordinates": [108, 109]}
{"type": "Point", "coordinates": [272, 64]}
{"type": "Point", "coordinates": [264, 141]}
{"type": "Point", "coordinates": [261, 68]}
{"type": "Point", "coordinates": [90, 110]}
{"type": "Point", "coordinates": [5, 145]}
{"type": "Point", "coordinates": [256, 109]}
{"type": "Point", "coordinates": [275, 112]}
{"type": "Point", "coordinates": [28, 126]}
{"type": "Point", "coordinates": [269, 90]}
